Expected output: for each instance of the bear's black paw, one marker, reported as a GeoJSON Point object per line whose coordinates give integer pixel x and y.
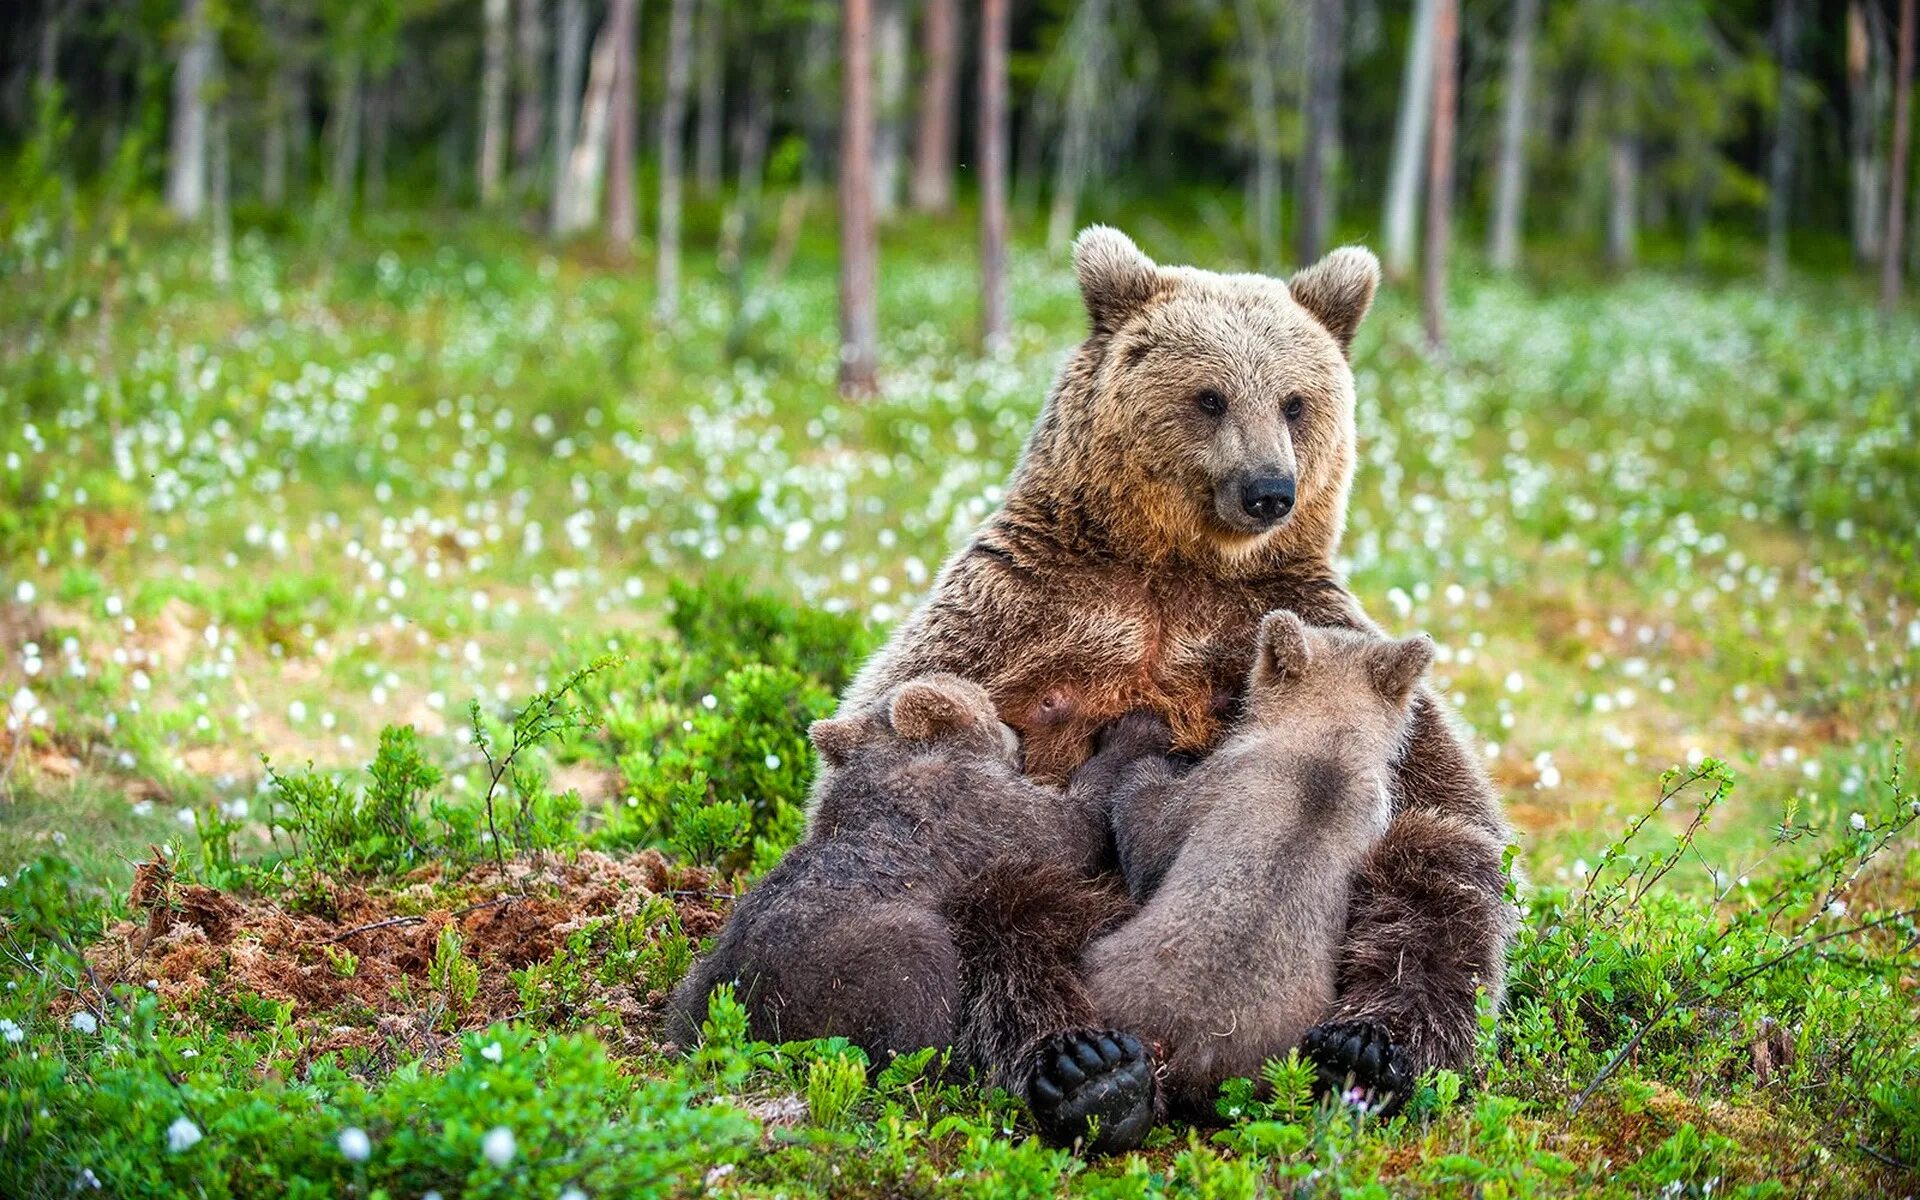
{"type": "Point", "coordinates": [1088, 1077]}
{"type": "Point", "coordinates": [1359, 1064]}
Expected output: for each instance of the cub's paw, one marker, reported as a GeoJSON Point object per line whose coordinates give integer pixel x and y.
{"type": "Point", "coordinates": [1359, 1064]}
{"type": "Point", "coordinates": [1088, 1078]}
{"type": "Point", "coordinates": [1135, 735]}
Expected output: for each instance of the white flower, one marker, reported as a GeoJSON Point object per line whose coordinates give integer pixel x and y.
{"type": "Point", "coordinates": [1857, 820]}
{"type": "Point", "coordinates": [355, 1145]}
{"type": "Point", "coordinates": [181, 1135]}
{"type": "Point", "coordinates": [12, 1032]}
{"type": "Point", "coordinates": [25, 592]}
{"type": "Point", "coordinates": [573, 1193]}
{"type": "Point", "coordinates": [83, 1021]}
{"type": "Point", "coordinates": [1837, 909]}
{"type": "Point", "coordinates": [498, 1146]}
{"type": "Point", "coordinates": [492, 1052]}
{"type": "Point", "coordinates": [773, 762]}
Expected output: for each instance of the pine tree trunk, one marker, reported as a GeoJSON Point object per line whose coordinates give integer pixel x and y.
{"type": "Point", "coordinates": [529, 48]}
{"type": "Point", "coordinates": [343, 126]}
{"type": "Point", "coordinates": [890, 103]}
{"type": "Point", "coordinates": [187, 143]}
{"type": "Point", "coordinates": [1510, 178]}
{"type": "Point", "coordinates": [47, 68]}
{"type": "Point", "coordinates": [569, 49]}
{"type": "Point", "coordinates": [1446, 36]}
{"type": "Point", "coordinates": [933, 148]}
{"type": "Point", "coordinates": [586, 166]}
{"type": "Point", "coordinates": [279, 115]}
{"type": "Point", "coordinates": [1263, 98]}
{"type": "Point", "coordinates": [859, 324]}
{"type": "Point", "coordinates": [1410, 128]}
{"type": "Point", "coordinates": [623, 127]}
{"type": "Point", "coordinates": [993, 172]}
{"type": "Point", "coordinates": [220, 171]}
{"type": "Point", "coordinates": [493, 102]}
{"type": "Point", "coordinates": [1863, 131]}
{"type": "Point", "coordinates": [1897, 166]}
{"type": "Point", "coordinates": [673, 121]}
{"type": "Point", "coordinates": [1623, 172]}
{"type": "Point", "coordinates": [710, 118]}
{"type": "Point", "coordinates": [1786, 41]}
{"type": "Point", "coordinates": [1087, 42]}
{"type": "Point", "coordinates": [379, 120]}
{"type": "Point", "coordinates": [1317, 163]}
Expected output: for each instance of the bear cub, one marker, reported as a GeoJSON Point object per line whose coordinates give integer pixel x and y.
{"type": "Point", "coordinates": [846, 937]}
{"type": "Point", "coordinates": [1242, 863]}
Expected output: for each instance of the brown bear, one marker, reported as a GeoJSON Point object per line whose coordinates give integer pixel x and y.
{"type": "Point", "coordinates": [1187, 475]}
{"type": "Point", "coordinates": [1243, 864]}
{"type": "Point", "coordinates": [846, 937]}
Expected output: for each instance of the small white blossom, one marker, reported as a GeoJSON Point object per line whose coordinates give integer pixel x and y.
{"type": "Point", "coordinates": [492, 1052]}
{"type": "Point", "coordinates": [83, 1021]}
{"type": "Point", "coordinates": [12, 1032]}
{"type": "Point", "coordinates": [1857, 820]}
{"type": "Point", "coordinates": [498, 1147]}
{"type": "Point", "coordinates": [355, 1145]}
{"type": "Point", "coordinates": [182, 1135]}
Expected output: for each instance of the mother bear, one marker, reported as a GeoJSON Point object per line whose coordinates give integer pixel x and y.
{"type": "Point", "coordinates": [1188, 474]}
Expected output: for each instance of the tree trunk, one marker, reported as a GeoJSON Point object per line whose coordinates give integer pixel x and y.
{"type": "Point", "coordinates": [1325, 54]}
{"type": "Point", "coordinates": [933, 148]}
{"type": "Point", "coordinates": [493, 102]}
{"type": "Point", "coordinates": [587, 164]}
{"type": "Point", "coordinates": [1510, 179]}
{"type": "Point", "coordinates": [1623, 171]}
{"type": "Point", "coordinates": [710, 119]}
{"type": "Point", "coordinates": [818, 113]}
{"type": "Point", "coordinates": [1897, 167]}
{"type": "Point", "coordinates": [859, 251]}
{"type": "Point", "coordinates": [623, 127]}
{"type": "Point", "coordinates": [1409, 142]}
{"type": "Point", "coordinates": [219, 169]}
{"type": "Point", "coordinates": [673, 121]}
{"type": "Point", "coordinates": [1263, 96]}
{"type": "Point", "coordinates": [890, 102]}
{"type": "Point", "coordinates": [1786, 44]}
{"type": "Point", "coordinates": [279, 114]}
{"type": "Point", "coordinates": [529, 47]}
{"type": "Point", "coordinates": [343, 127]}
{"type": "Point", "coordinates": [569, 49]}
{"type": "Point", "coordinates": [187, 143]}
{"type": "Point", "coordinates": [1446, 36]}
{"type": "Point", "coordinates": [1087, 43]}
{"type": "Point", "coordinates": [379, 121]}
{"type": "Point", "coordinates": [47, 68]}
{"type": "Point", "coordinates": [993, 172]}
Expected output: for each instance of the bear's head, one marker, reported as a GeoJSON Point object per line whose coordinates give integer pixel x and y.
{"type": "Point", "coordinates": [1356, 685]}
{"type": "Point", "coordinates": [1206, 414]}
{"type": "Point", "coordinates": [926, 710]}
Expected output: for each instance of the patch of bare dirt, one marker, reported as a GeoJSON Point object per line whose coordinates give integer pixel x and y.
{"type": "Point", "coordinates": [354, 962]}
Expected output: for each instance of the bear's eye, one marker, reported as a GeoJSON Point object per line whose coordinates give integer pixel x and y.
{"type": "Point", "coordinates": [1296, 407]}
{"type": "Point", "coordinates": [1210, 402]}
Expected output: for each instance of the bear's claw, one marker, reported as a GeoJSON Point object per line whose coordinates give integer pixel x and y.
{"type": "Point", "coordinates": [1359, 1056]}
{"type": "Point", "coordinates": [1086, 1076]}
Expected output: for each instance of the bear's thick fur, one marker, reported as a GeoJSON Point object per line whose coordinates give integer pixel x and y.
{"type": "Point", "coordinates": [1243, 863]}
{"type": "Point", "coordinates": [1129, 568]}
{"type": "Point", "coordinates": [846, 936]}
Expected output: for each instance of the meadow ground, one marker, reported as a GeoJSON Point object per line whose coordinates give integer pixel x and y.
{"type": "Point", "coordinates": [1652, 524]}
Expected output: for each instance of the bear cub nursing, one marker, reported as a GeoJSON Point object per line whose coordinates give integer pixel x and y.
{"type": "Point", "coordinates": [846, 936]}
{"type": "Point", "coordinates": [1242, 863]}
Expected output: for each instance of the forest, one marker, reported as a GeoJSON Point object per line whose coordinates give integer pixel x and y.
{"type": "Point", "coordinates": [449, 452]}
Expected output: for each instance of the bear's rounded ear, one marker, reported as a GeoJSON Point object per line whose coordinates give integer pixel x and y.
{"type": "Point", "coordinates": [1338, 290]}
{"type": "Point", "coordinates": [1397, 666]}
{"type": "Point", "coordinates": [835, 738]}
{"type": "Point", "coordinates": [937, 706]}
{"type": "Point", "coordinates": [1283, 647]}
{"type": "Point", "coordinates": [1116, 280]}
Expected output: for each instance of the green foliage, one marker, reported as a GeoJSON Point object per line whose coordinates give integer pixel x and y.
{"type": "Point", "coordinates": [834, 1085]}
{"type": "Point", "coordinates": [452, 975]}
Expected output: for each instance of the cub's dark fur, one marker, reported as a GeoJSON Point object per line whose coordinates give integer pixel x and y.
{"type": "Point", "coordinates": [847, 936]}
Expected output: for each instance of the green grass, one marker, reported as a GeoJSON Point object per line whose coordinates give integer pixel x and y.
{"type": "Point", "coordinates": [1650, 522]}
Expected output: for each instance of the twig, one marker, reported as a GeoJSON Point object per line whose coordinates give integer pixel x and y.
{"type": "Point", "coordinates": [392, 922]}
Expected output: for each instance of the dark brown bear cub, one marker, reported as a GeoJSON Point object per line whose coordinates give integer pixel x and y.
{"type": "Point", "coordinates": [1243, 863]}
{"type": "Point", "coordinates": [845, 937]}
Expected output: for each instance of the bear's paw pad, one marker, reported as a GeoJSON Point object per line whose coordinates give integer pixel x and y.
{"type": "Point", "coordinates": [1358, 1063]}
{"type": "Point", "coordinates": [1093, 1088]}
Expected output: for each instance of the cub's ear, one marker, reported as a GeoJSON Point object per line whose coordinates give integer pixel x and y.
{"type": "Point", "coordinates": [1397, 666]}
{"type": "Point", "coordinates": [835, 738]}
{"type": "Point", "coordinates": [939, 706]}
{"type": "Point", "coordinates": [1283, 644]}
{"type": "Point", "coordinates": [1338, 290]}
{"type": "Point", "coordinates": [1116, 280]}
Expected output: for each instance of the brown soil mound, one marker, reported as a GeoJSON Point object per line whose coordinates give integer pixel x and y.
{"type": "Point", "coordinates": [353, 963]}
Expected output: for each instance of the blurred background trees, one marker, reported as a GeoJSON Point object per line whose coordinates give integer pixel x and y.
{"type": "Point", "coordinates": [1737, 136]}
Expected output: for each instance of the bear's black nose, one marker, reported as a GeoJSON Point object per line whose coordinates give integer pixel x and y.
{"type": "Point", "coordinates": [1267, 498]}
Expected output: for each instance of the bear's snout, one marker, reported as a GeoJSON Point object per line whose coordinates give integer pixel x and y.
{"type": "Point", "coordinates": [1267, 498]}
